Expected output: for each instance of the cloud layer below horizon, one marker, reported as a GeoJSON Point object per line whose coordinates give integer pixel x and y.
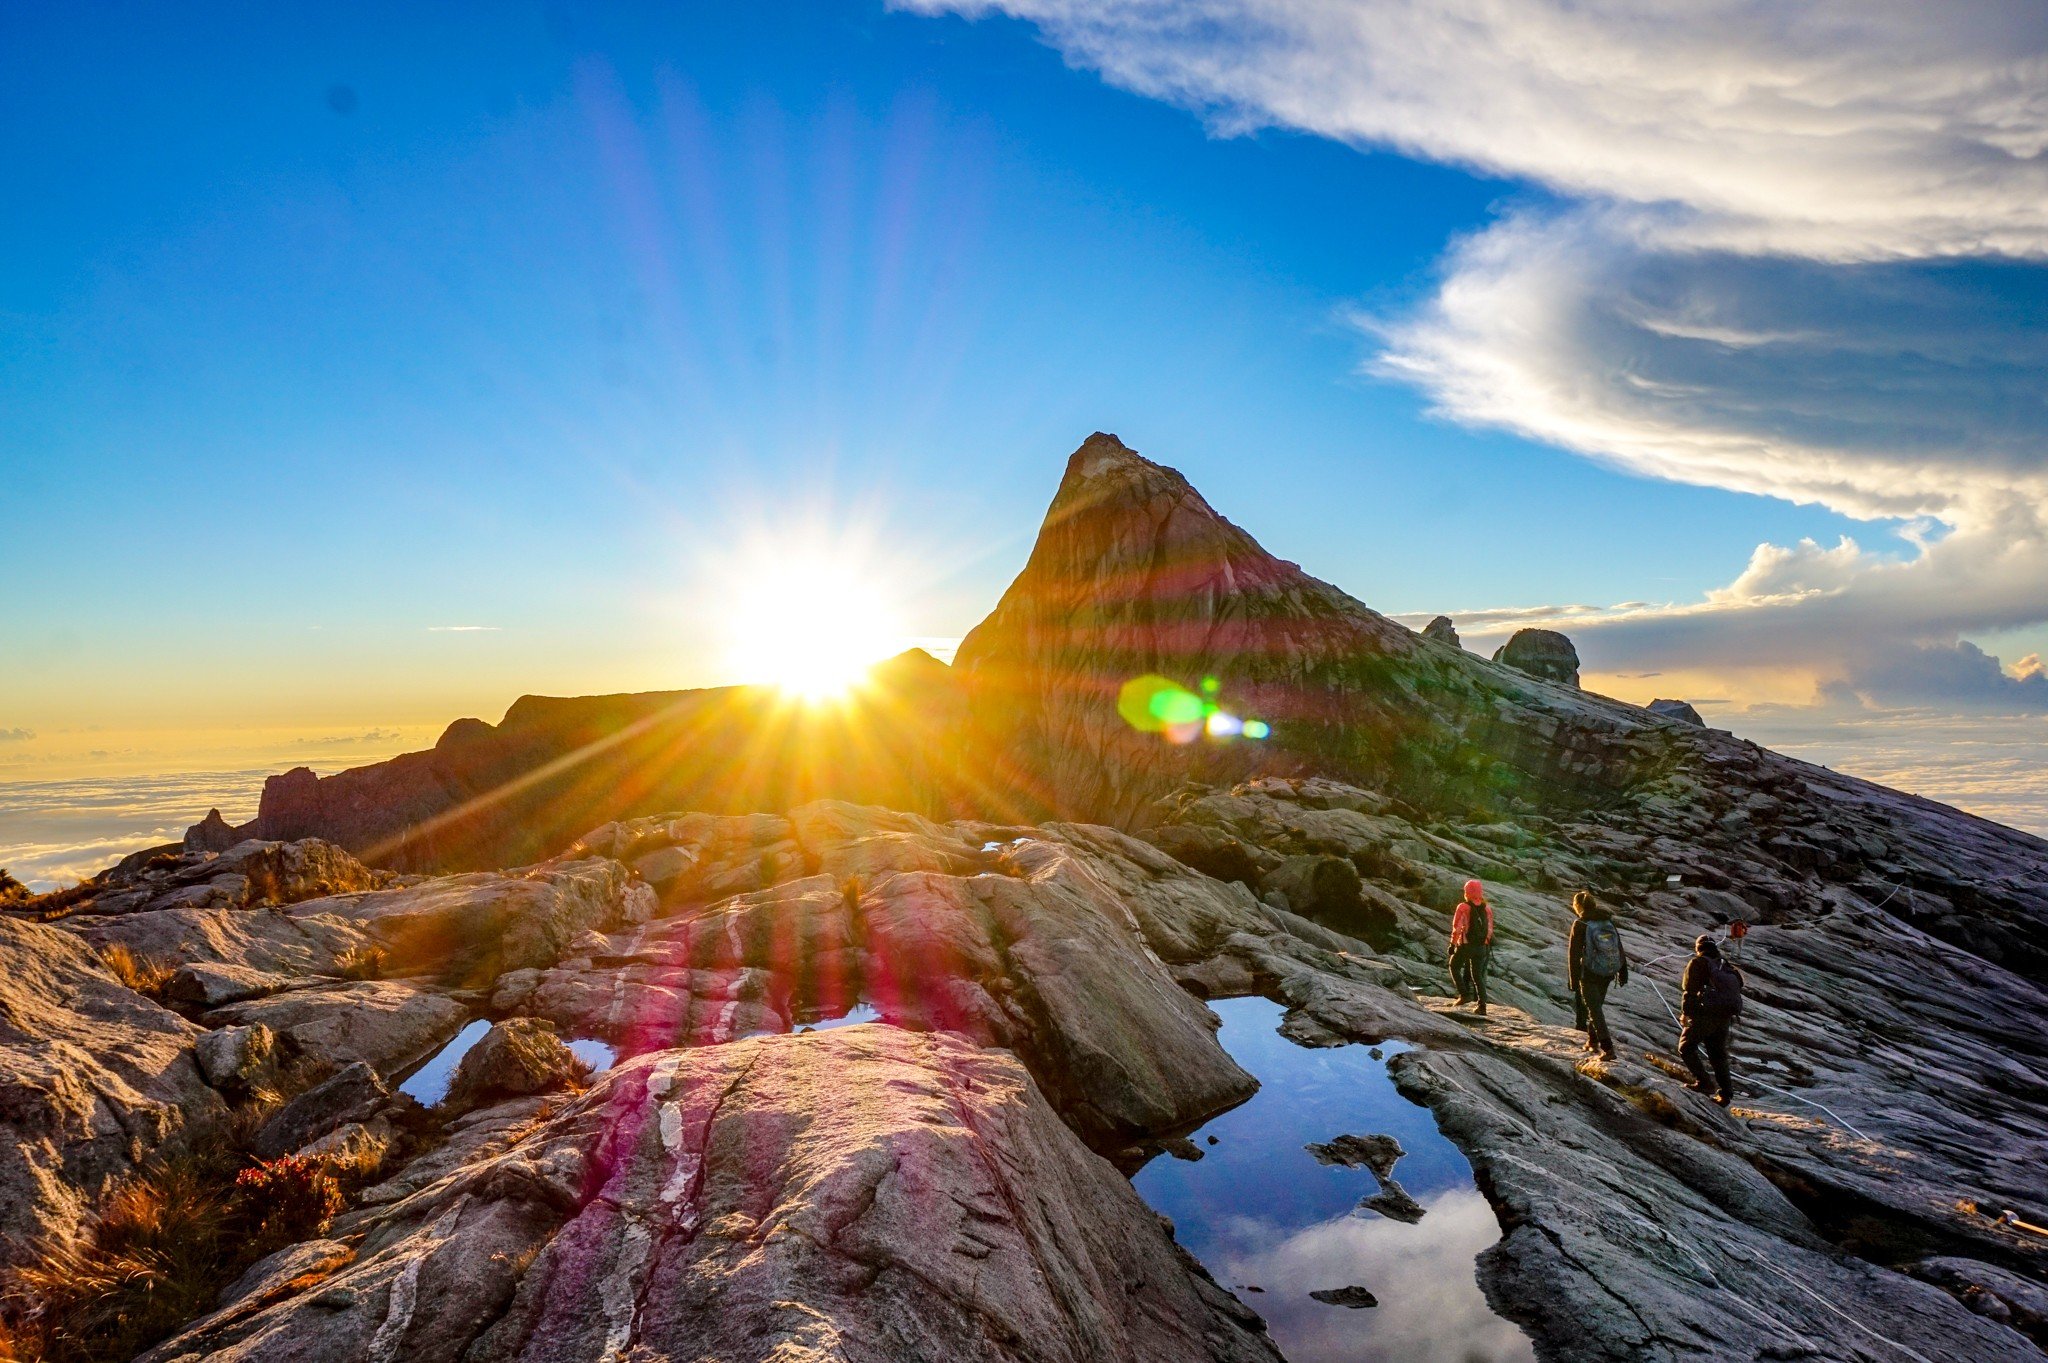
{"type": "Point", "coordinates": [1797, 250]}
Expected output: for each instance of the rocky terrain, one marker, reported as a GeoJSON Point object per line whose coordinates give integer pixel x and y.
{"type": "Point", "coordinates": [1032, 896]}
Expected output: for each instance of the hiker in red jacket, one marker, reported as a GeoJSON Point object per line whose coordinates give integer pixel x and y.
{"type": "Point", "coordinates": [1471, 942]}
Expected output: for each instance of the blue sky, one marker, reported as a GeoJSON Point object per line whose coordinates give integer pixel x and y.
{"type": "Point", "coordinates": [323, 333]}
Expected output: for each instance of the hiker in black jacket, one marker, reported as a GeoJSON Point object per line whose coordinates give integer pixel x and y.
{"type": "Point", "coordinates": [1713, 1000]}
{"type": "Point", "coordinates": [1594, 959]}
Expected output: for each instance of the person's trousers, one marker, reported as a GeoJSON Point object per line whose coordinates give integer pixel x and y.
{"type": "Point", "coordinates": [1468, 971]}
{"type": "Point", "coordinates": [1711, 1036]}
{"type": "Point", "coordinates": [1592, 1009]}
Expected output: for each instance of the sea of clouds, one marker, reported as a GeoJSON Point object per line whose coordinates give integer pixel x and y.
{"type": "Point", "coordinates": [55, 833]}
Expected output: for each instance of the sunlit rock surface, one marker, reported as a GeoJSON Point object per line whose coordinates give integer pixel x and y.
{"type": "Point", "coordinates": [1033, 907]}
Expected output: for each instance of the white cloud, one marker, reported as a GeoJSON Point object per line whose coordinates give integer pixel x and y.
{"type": "Point", "coordinates": [1837, 129]}
{"type": "Point", "coordinates": [16, 735]}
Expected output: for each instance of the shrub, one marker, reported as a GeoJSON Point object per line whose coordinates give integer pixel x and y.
{"type": "Point", "coordinates": [283, 1201]}
{"type": "Point", "coordinates": [146, 975]}
{"type": "Point", "coordinates": [166, 1243]}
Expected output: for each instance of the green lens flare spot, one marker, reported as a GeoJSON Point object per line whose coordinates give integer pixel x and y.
{"type": "Point", "coordinates": [1152, 704]}
{"type": "Point", "coordinates": [1257, 728]}
{"type": "Point", "coordinates": [1210, 686]}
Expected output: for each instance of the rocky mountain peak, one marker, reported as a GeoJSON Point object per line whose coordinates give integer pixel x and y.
{"type": "Point", "coordinates": [1134, 575]}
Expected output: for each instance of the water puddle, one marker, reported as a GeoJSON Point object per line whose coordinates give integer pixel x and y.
{"type": "Point", "coordinates": [429, 1083]}
{"type": "Point", "coordinates": [860, 1012]}
{"type": "Point", "coordinates": [599, 1055]}
{"type": "Point", "coordinates": [1262, 1213]}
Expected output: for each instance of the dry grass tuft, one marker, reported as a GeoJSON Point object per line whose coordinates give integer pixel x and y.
{"type": "Point", "coordinates": [146, 975]}
{"type": "Point", "coordinates": [362, 963]}
{"type": "Point", "coordinates": [1652, 1104]}
{"type": "Point", "coordinates": [1669, 1066]}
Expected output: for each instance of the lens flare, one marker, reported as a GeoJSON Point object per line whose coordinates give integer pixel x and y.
{"type": "Point", "coordinates": [1153, 704]}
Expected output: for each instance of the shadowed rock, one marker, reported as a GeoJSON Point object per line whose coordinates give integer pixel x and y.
{"type": "Point", "coordinates": [1679, 710]}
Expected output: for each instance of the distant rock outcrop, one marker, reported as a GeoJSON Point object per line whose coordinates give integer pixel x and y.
{"type": "Point", "coordinates": [211, 834]}
{"type": "Point", "coordinates": [1541, 653]}
{"type": "Point", "coordinates": [512, 793]}
{"type": "Point", "coordinates": [1441, 630]}
{"type": "Point", "coordinates": [1679, 710]}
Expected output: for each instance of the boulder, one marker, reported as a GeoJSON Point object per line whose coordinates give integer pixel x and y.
{"type": "Point", "coordinates": [860, 1194]}
{"type": "Point", "coordinates": [355, 1094]}
{"type": "Point", "coordinates": [1679, 710]}
{"type": "Point", "coordinates": [209, 984]}
{"type": "Point", "coordinates": [517, 1056]}
{"type": "Point", "coordinates": [390, 1024]}
{"type": "Point", "coordinates": [268, 941]}
{"type": "Point", "coordinates": [1327, 889]}
{"type": "Point", "coordinates": [291, 1268]}
{"type": "Point", "coordinates": [245, 874]}
{"type": "Point", "coordinates": [236, 1060]}
{"type": "Point", "coordinates": [1441, 630]}
{"type": "Point", "coordinates": [1541, 653]}
{"type": "Point", "coordinates": [469, 929]}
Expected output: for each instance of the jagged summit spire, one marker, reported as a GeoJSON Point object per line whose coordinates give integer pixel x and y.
{"type": "Point", "coordinates": [1135, 576]}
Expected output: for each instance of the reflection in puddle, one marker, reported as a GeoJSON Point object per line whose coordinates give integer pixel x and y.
{"type": "Point", "coordinates": [599, 1055]}
{"type": "Point", "coordinates": [429, 1083]}
{"type": "Point", "coordinates": [860, 1012]}
{"type": "Point", "coordinates": [1259, 1211]}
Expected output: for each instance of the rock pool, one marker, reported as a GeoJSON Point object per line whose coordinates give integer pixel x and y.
{"type": "Point", "coordinates": [1274, 1224]}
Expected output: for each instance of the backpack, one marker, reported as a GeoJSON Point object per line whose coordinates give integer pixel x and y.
{"type": "Point", "coordinates": [1602, 948]}
{"type": "Point", "coordinates": [1721, 995]}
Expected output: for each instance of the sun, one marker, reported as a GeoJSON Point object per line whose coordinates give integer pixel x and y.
{"type": "Point", "coordinates": [809, 622]}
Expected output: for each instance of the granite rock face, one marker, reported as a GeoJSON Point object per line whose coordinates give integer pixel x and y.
{"type": "Point", "coordinates": [94, 1079]}
{"type": "Point", "coordinates": [704, 1204]}
{"type": "Point", "coordinates": [1443, 631]}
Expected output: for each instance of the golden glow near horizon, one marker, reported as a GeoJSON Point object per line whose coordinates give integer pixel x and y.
{"type": "Point", "coordinates": [810, 621]}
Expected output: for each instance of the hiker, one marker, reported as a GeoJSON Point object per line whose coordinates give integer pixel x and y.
{"type": "Point", "coordinates": [1471, 942]}
{"type": "Point", "coordinates": [1713, 1000]}
{"type": "Point", "coordinates": [1594, 960]}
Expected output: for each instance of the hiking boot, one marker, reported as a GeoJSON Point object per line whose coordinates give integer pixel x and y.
{"type": "Point", "coordinates": [1695, 1085]}
{"type": "Point", "coordinates": [1721, 1098]}
{"type": "Point", "coordinates": [1607, 1052]}
{"type": "Point", "coordinates": [1480, 1010]}
{"type": "Point", "coordinates": [1464, 999]}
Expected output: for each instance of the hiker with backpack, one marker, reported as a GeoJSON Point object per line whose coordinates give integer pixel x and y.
{"type": "Point", "coordinates": [1471, 944]}
{"type": "Point", "coordinates": [1594, 960]}
{"type": "Point", "coordinates": [1713, 1000]}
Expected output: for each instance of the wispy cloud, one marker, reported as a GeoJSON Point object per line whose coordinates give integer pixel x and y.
{"type": "Point", "coordinates": [345, 740]}
{"type": "Point", "coordinates": [463, 629]}
{"type": "Point", "coordinates": [16, 735]}
{"type": "Point", "coordinates": [1831, 129]}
